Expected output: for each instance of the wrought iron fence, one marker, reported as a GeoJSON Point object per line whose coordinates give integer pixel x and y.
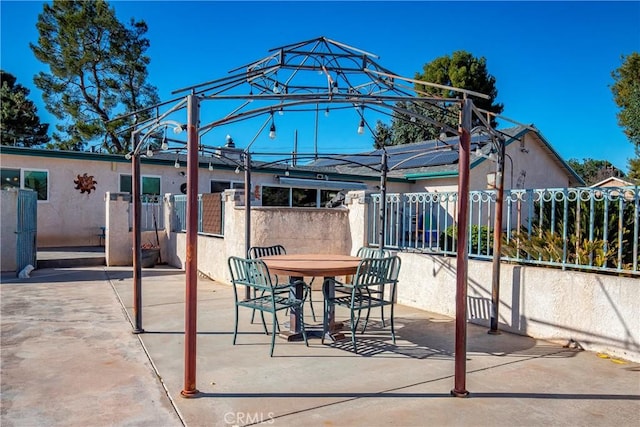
{"type": "Point", "coordinates": [581, 228]}
{"type": "Point", "coordinates": [152, 213]}
{"type": "Point", "coordinates": [210, 214]}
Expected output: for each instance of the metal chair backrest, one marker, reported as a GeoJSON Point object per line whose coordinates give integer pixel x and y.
{"type": "Point", "coordinates": [377, 271]}
{"type": "Point", "coordinates": [260, 251]}
{"type": "Point", "coordinates": [366, 252]}
{"type": "Point", "coordinates": [253, 273]}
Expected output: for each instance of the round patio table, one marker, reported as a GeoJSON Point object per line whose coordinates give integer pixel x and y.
{"type": "Point", "coordinates": [298, 266]}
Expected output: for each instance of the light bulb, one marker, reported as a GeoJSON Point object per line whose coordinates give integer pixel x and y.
{"type": "Point", "coordinates": [326, 112]}
{"type": "Point", "coordinates": [443, 136]}
{"type": "Point", "coordinates": [176, 164]}
{"type": "Point", "coordinates": [237, 171]}
{"type": "Point", "coordinates": [149, 152]}
{"type": "Point", "coordinates": [276, 89]}
{"type": "Point", "coordinates": [127, 156]}
{"type": "Point", "coordinates": [272, 131]}
{"type": "Point", "coordinates": [334, 88]}
{"type": "Point", "coordinates": [281, 111]}
{"type": "Point", "coordinates": [210, 166]}
{"type": "Point", "coordinates": [361, 127]}
{"type": "Point", "coordinates": [177, 129]}
{"type": "Point", "coordinates": [164, 144]}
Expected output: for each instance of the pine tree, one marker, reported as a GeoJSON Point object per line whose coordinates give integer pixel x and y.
{"type": "Point", "coordinates": [98, 70]}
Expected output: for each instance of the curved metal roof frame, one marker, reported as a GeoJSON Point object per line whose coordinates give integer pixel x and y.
{"type": "Point", "coordinates": [315, 72]}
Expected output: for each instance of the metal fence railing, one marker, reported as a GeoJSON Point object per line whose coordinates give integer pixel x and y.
{"type": "Point", "coordinates": [210, 214]}
{"type": "Point", "coordinates": [581, 228]}
{"type": "Point", "coordinates": [152, 213]}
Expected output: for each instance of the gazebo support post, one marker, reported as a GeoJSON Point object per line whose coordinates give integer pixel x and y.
{"type": "Point", "coordinates": [459, 389]}
{"type": "Point", "coordinates": [497, 240]}
{"type": "Point", "coordinates": [382, 216]}
{"type": "Point", "coordinates": [137, 249]}
{"type": "Point", "coordinates": [247, 211]}
{"type": "Point", "coordinates": [191, 263]}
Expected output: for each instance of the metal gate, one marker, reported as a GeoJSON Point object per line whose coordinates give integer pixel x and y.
{"type": "Point", "coordinates": [27, 228]}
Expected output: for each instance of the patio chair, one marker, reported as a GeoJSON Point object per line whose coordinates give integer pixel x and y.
{"type": "Point", "coordinates": [260, 251]}
{"type": "Point", "coordinates": [268, 297]}
{"type": "Point", "coordinates": [372, 273]}
{"type": "Point", "coordinates": [367, 252]}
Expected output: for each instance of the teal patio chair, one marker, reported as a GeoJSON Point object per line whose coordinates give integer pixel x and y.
{"type": "Point", "coordinates": [268, 297]}
{"type": "Point", "coordinates": [367, 252]}
{"type": "Point", "coordinates": [260, 251]}
{"type": "Point", "coordinates": [372, 273]}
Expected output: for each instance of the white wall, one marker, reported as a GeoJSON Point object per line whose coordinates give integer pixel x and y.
{"type": "Point", "coordinates": [601, 312]}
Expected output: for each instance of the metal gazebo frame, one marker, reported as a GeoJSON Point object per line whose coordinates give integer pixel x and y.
{"type": "Point", "coordinates": [286, 80]}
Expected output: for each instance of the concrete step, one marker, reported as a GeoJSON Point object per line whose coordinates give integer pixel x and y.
{"type": "Point", "coordinates": [65, 257]}
{"type": "Point", "coordinates": [71, 262]}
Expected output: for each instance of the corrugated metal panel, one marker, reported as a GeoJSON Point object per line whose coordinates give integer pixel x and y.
{"type": "Point", "coordinates": [27, 228]}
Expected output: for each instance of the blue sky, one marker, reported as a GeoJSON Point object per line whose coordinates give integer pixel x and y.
{"type": "Point", "coordinates": [552, 60]}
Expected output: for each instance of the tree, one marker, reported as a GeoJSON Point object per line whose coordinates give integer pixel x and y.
{"type": "Point", "coordinates": [19, 121]}
{"type": "Point", "coordinates": [592, 171]}
{"type": "Point", "coordinates": [626, 94]}
{"type": "Point", "coordinates": [460, 70]}
{"type": "Point", "coordinates": [98, 70]}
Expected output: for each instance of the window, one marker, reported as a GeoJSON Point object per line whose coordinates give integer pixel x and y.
{"type": "Point", "coordinates": [220, 186]}
{"type": "Point", "coordinates": [37, 180]}
{"type": "Point", "coordinates": [304, 197]}
{"type": "Point", "coordinates": [275, 196]}
{"type": "Point", "coordinates": [296, 197]}
{"type": "Point", "coordinates": [150, 185]}
{"type": "Point", "coordinates": [10, 178]}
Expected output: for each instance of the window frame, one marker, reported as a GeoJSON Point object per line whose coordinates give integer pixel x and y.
{"type": "Point", "coordinates": [22, 172]}
{"type": "Point", "coordinates": [142, 178]}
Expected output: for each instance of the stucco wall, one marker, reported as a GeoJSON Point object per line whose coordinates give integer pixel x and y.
{"type": "Point", "coordinates": [600, 312]}
{"type": "Point", "coordinates": [299, 230]}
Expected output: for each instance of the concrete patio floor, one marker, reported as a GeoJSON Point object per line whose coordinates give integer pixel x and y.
{"type": "Point", "coordinates": [69, 358]}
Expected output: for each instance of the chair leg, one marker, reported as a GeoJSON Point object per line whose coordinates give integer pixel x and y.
{"type": "Point", "coordinates": [235, 329]}
{"type": "Point", "coordinates": [393, 332]}
{"type": "Point", "coordinates": [273, 334]}
{"type": "Point", "coordinates": [354, 323]}
{"type": "Point", "coordinates": [313, 312]}
{"type": "Point", "coordinates": [325, 315]}
{"type": "Point", "coordinates": [264, 324]}
{"type": "Point", "coordinates": [253, 312]}
{"type": "Point", "coordinates": [304, 331]}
